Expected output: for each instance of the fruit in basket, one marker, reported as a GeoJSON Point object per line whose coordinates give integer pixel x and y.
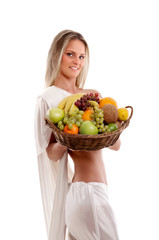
{"type": "Point", "coordinates": [72, 130]}
{"type": "Point", "coordinates": [70, 119]}
{"type": "Point", "coordinates": [123, 114]}
{"type": "Point", "coordinates": [94, 103]}
{"type": "Point", "coordinates": [79, 100]}
{"type": "Point", "coordinates": [87, 114]}
{"type": "Point", "coordinates": [85, 101]}
{"type": "Point", "coordinates": [60, 125]}
{"type": "Point", "coordinates": [107, 100]}
{"type": "Point", "coordinates": [98, 120]}
{"type": "Point", "coordinates": [88, 128]}
{"type": "Point", "coordinates": [112, 127]}
{"type": "Point", "coordinates": [110, 113]}
{"type": "Point", "coordinates": [55, 114]}
{"type": "Point", "coordinates": [62, 103]}
{"type": "Point", "coordinates": [118, 123]}
{"type": "Point", "coordinates": [80, 107]}
{"type": "Point", "coordinates": [73, 98]}
{"type": "Point", "coordinates": [73, 108]}
{"type": "Point", "coordinates": [66, 103]}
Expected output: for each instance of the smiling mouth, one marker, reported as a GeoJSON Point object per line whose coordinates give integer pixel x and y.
{"type": "Point", "coordinates": [74, 68]}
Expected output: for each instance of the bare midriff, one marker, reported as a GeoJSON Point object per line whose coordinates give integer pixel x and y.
{"type": "Point", "coordinates": [89, 166]}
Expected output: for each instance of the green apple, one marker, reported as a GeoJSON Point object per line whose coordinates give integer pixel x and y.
{"type": "Point", "coordinates": [88, 128]}
{"type": "Point", "coordinates": [112, 127]}
{"type": "Point", "coordinates": [55, 114]}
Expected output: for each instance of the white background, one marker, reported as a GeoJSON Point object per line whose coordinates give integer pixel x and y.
{"type": "Point", "coordinates": [123, 38]}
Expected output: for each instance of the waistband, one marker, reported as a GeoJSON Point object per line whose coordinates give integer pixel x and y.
{"type": "Point", "coordinates": [98, 184]}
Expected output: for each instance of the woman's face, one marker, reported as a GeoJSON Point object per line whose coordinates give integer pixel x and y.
{"type": "Point", "coordinates": [73, 59]}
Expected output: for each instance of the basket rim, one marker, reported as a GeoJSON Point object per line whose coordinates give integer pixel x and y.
{"type": "Point", "coordinates": [83, 136]}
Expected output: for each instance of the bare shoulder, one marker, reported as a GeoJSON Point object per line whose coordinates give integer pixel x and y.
{"type": "Point", "coordinates": [90, 91]}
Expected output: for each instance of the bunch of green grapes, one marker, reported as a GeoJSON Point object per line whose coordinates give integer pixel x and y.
{"type": "Point", "coordinates": [98, 120]}
{"type": "Point", "coordinates": [74, 118]}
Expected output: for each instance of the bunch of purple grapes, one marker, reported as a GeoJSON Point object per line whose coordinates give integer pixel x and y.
{"type": "Point", "coordinates": [83, 103]}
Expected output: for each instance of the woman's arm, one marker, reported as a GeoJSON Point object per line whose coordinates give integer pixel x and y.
{"type": "Point", "coordinates": [116, 145]}
{"type": "Point", "coordinates": [55, 150]}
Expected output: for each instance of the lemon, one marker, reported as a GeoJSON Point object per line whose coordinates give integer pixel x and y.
{"type": "Point", "coordinates": [123, 114]}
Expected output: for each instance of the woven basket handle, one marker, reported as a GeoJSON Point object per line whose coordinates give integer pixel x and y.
{"type": "Point", "coordinates": [130, 113]}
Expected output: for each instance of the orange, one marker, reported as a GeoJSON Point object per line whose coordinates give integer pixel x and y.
{"type": "Point", "coordinates": [74, 129]}
{"type": "Point", "coordinates": [107, 100]}
{"type": "Point", "coordinates": [87, 114]}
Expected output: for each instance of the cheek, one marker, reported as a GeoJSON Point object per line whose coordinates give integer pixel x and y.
{"type": "Point", "coordinates": [83, 63]}
{"type": "Point", "coordinates": [65, 60]}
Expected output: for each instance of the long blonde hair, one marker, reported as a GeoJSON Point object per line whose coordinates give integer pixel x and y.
{"type": "Point", "coordinates": [55, 53]}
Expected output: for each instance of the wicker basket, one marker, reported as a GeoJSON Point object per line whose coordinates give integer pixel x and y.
{"type": "Point", "coordinates": [88, 142]}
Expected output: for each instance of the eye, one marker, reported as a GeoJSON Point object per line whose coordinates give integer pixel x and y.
{"type": "Point", "coordinates": [81, 57]}
{"type": "Point", "coordinates": [69, 54]}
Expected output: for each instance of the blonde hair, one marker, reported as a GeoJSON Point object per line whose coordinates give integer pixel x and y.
{"type": "Point", "coordinates": [55, 53]}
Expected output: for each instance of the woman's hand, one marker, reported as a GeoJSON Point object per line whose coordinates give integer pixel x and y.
{"type": "Point", "coordinates": [55, 150]}
{"type": "Point", "coordinates": [116, 145]}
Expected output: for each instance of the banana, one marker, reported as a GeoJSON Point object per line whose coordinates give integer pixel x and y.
{"type": "Point", "coordinates": [62, 104]}
{"type": "Point", "coordinates": [94, 103]}
{"type": "Point", "coordinates": [72, 108]}
{"type": "Point", "coordinates": [71, 101]}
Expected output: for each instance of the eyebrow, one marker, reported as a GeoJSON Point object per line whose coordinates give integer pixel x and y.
{"type": "Point", "coordinates": [83, 54]}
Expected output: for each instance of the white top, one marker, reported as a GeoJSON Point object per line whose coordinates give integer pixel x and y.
{"type": "Point", "coordinates": [54, 176]}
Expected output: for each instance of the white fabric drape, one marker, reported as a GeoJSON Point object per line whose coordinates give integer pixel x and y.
{"type": "Point", "coordinates": [54, 176]}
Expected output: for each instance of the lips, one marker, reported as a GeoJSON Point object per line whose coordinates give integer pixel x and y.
{"type": "Point", "coordinates": [74, 68]}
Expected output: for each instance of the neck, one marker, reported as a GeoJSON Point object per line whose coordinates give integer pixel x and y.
{"type": "Point", "coordinates": [66, 84]}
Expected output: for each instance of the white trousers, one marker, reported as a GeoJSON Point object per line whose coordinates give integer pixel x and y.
{"type": "Point", "coordinates": [88, 214]}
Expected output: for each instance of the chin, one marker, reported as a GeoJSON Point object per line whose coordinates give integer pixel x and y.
{"type": "Point", "coordinates": [72, 76]}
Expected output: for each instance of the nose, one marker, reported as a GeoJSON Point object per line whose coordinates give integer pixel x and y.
{"type": "Point", "coordinates": [76, 60]}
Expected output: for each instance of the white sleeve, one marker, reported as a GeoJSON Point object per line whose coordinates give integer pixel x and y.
{"type": "Point", "coordinates": [47, 168]}
{"type": "Point", "coordinates": [42, 131]}
{"type": "Point", "coordinates": [53, 176]}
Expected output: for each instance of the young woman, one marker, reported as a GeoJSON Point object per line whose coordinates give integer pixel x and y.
{"type": "Point", "coordinates": [75, 201]}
